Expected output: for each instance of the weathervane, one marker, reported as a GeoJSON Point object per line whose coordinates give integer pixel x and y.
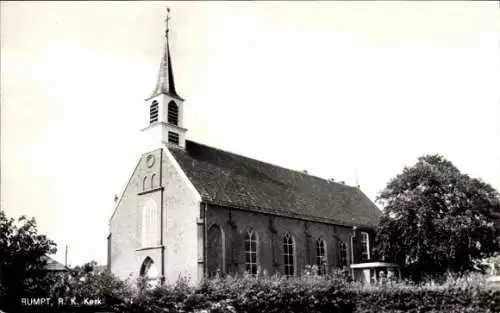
{"type": "Point", "coordinates": [166, 21]}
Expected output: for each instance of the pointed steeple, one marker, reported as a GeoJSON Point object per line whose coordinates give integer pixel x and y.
{"type": "Point", "coordinates": [165, 82]}
{"type": "Point", "coordinates": [165, 107]}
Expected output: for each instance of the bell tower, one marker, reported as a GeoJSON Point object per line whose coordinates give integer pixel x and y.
{"type": "Point", "coordinates": [165, 122]}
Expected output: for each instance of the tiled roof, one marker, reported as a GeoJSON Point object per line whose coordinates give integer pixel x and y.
{"type": "Point", "coordinates": [228, 179]}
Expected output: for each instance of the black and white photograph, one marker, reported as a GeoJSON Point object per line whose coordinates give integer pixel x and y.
{"type": "Point", "coordinates": [253, 156]}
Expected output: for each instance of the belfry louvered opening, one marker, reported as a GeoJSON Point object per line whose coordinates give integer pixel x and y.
{"type": "Point", "coordinates": [153, 112]}
{"type": "Point", "coordinates": [173, 113]}
{"type": "Point", "coordinates": [173, 138]}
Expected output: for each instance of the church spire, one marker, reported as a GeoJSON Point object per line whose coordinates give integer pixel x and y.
{"type": "Point", "coordinates": [165, 82]}
{"type": "Point", "coordinates": [165, 106]}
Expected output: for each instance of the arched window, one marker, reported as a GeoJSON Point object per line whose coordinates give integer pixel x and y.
{"type": "Point", "coordinates": [215, 255]}
{"type": "Point", "coordinates": [173, 113]}
{"type": "Point", "coordinates": [342, 254]}
{"type": "Point", "coordinates": [321, 260]}
{"type": "Point", "coordinates": [289, 255]}
{"type": "Point", "coordinates": [153, 112]}
{"type": "Point", "coordinates": [153, 182]}
{"type": "Point", "coordinates": [149, 272]}
{"type": "Point", "coordinates": [149, 234]}
{"type": "Point", "coordinates": [251, 252]}
{"type": "Point", "coordinates": [144, 183]}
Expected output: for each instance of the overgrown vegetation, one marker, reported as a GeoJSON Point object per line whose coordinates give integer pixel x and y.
{"type": "Point", "coordinates": [307, 293]}
{"type": "Point", "coordinates": [437, 219]}
{"type": "Point", "coordinates": [22, 250]}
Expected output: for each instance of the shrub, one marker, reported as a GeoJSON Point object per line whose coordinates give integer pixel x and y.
{"type": "Point", "coordinates": [465, 293]}
{"type": "Point", "coordinates": [308, 293]}
{"type": "Point", "coordinates": [313, 293]}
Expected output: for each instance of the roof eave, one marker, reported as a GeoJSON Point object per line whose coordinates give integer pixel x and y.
{"type": "Point", "coordinates": [170, 94]}
{"type": "Point", "coordinates": [311, 218]}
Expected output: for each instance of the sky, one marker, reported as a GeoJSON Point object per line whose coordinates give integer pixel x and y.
{"type": "Point", "coordinates": [353, 91]}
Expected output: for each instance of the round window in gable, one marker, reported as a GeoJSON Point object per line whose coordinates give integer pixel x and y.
{"type": "Point", "coordinates": [150, 160]}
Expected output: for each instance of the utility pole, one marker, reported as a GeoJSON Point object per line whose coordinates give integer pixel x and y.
{"type": "Point", "coordinates": [66, 256]}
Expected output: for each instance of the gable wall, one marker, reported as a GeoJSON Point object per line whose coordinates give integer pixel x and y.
{"type": "Point", "coordinates": [182, 211]}
{"type": "Point", "coordinates": [126, 256]}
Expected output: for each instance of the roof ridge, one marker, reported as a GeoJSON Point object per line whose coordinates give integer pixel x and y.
{"type": "Point", "coordinates": [274, 165]}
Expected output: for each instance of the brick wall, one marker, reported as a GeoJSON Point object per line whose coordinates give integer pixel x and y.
{"type": "Point", "coordinates": [270, 231]}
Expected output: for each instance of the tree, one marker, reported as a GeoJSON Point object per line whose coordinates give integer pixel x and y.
{"type": "Point", "coordinates": [86, 281]}
{"type": "Point", "coordinates": [437, 219]}
{"type": "Point", "coordinates": [21, 255]}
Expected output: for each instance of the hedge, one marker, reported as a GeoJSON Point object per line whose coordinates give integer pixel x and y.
{"type": "Point", "coordinates": [455, 300]}
{"type": "Point", "coordinates": [307, 294]}
{"type": "Point", "coordinates": [316, 295]}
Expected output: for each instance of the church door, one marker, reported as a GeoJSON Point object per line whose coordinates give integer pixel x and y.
{"type": "Point", "coordinates": [215, 255]}
{"type": "Point", "coordinates": [149, 273]}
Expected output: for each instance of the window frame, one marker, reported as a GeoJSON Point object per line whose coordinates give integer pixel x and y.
{"type": "Point", "coordinates": [343, 254]}
{"type": "Point", "coordinates": [365, 242]}
{"type": "Point", "coordinates": [149, 224]}
{"type": "Point", "coordinates": [321, 258]}
{"type": "Point", "coordinates": [251, 264]}
{"type": "Point", "coordinates": [289, 267]}
{"type": "Point", "coordinates": [222, 269]}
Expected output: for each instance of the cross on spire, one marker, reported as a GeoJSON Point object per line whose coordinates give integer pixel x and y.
{"type": "Point", "coordinates": [165, 81]}
{"type": "Point", "coordinates": [167, 28]}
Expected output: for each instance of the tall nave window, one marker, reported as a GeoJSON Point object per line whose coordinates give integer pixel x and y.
{"type": "Point", "coordinates": [251, 253]}
{"type": "Point", "coordinates": [342, 254]}
{"type": "Point", "coordinates": [321, 261]}
{"type": "Point", "coordinates": [215, 251]}
{"type": "Point", "coordinates": [365, 243]}
{"type": "Point", "coordinates": [289, 255]}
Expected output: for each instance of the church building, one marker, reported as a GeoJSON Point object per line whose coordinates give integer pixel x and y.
{"type": "Point", "coordinates": [191, 210]}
